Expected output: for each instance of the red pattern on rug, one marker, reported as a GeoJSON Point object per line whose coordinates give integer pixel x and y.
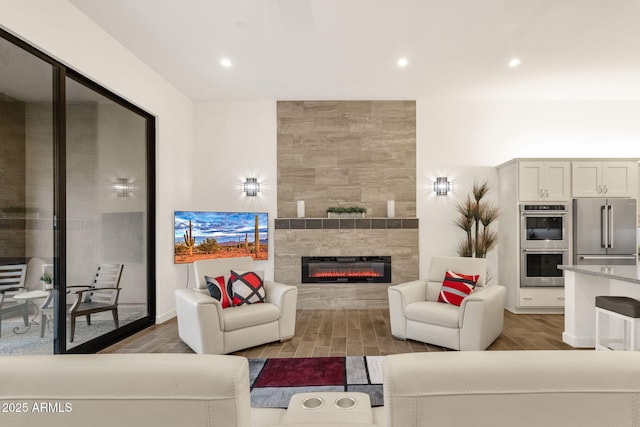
{"type": "Point", "coordinates": [287, 372]}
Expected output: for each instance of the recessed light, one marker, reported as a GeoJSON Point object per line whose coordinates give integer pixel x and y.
{"type": "Point", "coordinates": [241, 24]}
{"type": "Point", "coordinates": [514, 62]}
{"type": "Point", "coordinates": [226, 62]}
{"type": "Point", "coordinates": [403, 62]}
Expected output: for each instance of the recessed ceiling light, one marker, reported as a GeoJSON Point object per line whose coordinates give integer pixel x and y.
{"type": "Point", "coordinates": [241, 24]}
{"type": "Point", "coordinates": [514, 62]}
{"type": "Point", "coordinates": [225, 62]}
{"type": "Point", "coordinates": [403, 62]}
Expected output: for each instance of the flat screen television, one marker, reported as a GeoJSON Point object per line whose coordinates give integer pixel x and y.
{"type": "Point", "coordinates": [205, 235]}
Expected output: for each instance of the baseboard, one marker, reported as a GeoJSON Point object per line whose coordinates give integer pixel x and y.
{"type": "Point", "coordinates": [578, 342]}
{"type": "Point", "coordinates": [558, 310]}
{"type": "Point", "coordinates": [161, 318]}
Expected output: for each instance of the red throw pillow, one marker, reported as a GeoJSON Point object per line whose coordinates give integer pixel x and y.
{"type": "Point", "coordinates": [248, 287]}
{"type": "Point", "coordinates": [456, 287]}
{"type": "Point", "coordinates": [218, 290]}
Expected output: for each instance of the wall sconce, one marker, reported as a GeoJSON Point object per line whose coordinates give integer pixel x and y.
{"type": "Point", "coordinates": [122, 187]}
{"type": "Point", "coordinates": [251, 186]}
{"type": "Point", "coordinates": [441, 186]}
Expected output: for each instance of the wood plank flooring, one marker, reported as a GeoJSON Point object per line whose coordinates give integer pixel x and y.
{"type": "Point", "coordinates": [355, 333]}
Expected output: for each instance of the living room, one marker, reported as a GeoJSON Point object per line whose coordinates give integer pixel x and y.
{"type": "Point", "coordinates": [462, 137]}
{"type": "Point", "coordinates": [472, 114]}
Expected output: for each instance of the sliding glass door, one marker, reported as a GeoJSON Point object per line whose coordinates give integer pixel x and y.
{"type": "Point", "coordinates": [26, 197]}
{"type": "Point", "coordinates": [106, 213]}
{"type": "Point", "coordinates": [76, 209]}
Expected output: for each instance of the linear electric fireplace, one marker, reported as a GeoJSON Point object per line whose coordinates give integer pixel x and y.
{"type": "Point", "coordinates": [346, 269]}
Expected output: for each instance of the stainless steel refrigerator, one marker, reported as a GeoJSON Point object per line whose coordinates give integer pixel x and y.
{"type": "Point", "coordinates": [604, 231]}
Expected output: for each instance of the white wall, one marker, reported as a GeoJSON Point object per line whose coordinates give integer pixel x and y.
{"type": "Point", "coordinates": [236, 140]}
{"type": "Point", "coordinates": [465, 140]}
{"type": "Point", "coordinates": [59, 29]}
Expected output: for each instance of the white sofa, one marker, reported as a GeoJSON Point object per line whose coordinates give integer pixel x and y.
{"type": "Point", "coordinates": [415, 313]}
{"type": "Point", "coordinates": [144, 390]}
{"type": "Point", "coordinates": [513, 388]}
{"type": "Point", "coordinates": [208, 329]}
{"type": "Point", "coordinates": [140, 390]}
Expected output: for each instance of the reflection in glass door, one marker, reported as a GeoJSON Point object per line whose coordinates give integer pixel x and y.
{"type": "Point", "coordinates": [26, 202]}
{"type": "Point", "coordinates": [106, 211]}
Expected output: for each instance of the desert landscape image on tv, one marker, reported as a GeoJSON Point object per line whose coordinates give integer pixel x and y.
{"type": "Point", "coordinates": [204, 235]}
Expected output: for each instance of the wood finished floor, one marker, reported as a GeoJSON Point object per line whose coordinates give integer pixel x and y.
{"type": "Point", "coordinates": [354, 333]}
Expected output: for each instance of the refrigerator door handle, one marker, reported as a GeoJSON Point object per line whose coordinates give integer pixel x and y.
{"type": "Point", "coordinates": [610, 225]}
{"type": "Point", "coordinates": [604, 233]}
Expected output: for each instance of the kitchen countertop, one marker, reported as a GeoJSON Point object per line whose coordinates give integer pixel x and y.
{"type": "Point", "coordinates": [626, 273]}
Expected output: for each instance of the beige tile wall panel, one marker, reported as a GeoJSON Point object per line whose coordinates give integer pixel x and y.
{"type": "Point", "coordinates": [345, 153]}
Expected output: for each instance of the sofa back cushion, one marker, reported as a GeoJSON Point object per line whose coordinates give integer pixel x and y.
{"type": "Point", "coordinates": [438, 268]}
{"type": "Point", "coordinates": [139, 390]}
{"type": "Point", "coordinates": [523, 388]}
{"type": "Point", "coordinates": [219, 267]}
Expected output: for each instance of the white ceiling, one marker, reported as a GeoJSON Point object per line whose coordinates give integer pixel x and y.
{"type": "Point", "coordinates": [348, 49]}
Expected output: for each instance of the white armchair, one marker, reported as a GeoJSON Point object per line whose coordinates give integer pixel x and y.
{"type": "Point", "coordinates": [208, 329]}
{"type": "Point", "coordinates": [474, 325]}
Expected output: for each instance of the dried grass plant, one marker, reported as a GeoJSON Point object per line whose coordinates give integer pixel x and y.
{"type": "Point", "coordinates": [475, 217]}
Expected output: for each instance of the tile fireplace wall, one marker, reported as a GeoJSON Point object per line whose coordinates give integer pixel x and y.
{"type": "Point", "coordinates": [346, 153]}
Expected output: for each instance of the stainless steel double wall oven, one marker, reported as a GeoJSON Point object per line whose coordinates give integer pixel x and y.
{"type": "Point", "coordinates": [544, 244]}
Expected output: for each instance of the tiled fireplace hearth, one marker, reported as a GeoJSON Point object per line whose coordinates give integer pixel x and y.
{"type": "Point", "coordinates": [292, 243]}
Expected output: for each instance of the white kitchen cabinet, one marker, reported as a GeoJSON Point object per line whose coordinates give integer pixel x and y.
{"type": "Point", "coordinates": [604, 179]}
{"type": "Point", "coordinates": [541, 297]}
{"type": "Point", "coordinates": [544, 181]}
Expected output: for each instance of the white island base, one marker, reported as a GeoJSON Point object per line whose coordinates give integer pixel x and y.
{"type": "Point", "coordinates": [582, 284]}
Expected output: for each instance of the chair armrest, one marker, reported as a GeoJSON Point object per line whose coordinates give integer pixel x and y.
{"type": "Point", "coordinates": [15, 289]}
{"type": "Point", "coordinates": [80, 294]}
{"type": "Point", "coordinates": [276, 292]}
{"type": "Point", "coordinates": [200, 321]}
{"type": "Point", "coordinates": [409, 292]}
{"type": "Point", "coordinates": [77, 288]}
{"type": "Point", "coordinates": [482, 317]}
{"type": "Point", "coordinates": [400, 296]}
{"type": "Point", "coordinates": [285, 297]}
{"type": "Point", "coordinates": [193, 300]}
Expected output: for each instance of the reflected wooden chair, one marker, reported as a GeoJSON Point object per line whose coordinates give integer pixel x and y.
{"type": "Point", "coordinates": [12, 279]}
{"type": "Point", "coordinates": [101, 296]}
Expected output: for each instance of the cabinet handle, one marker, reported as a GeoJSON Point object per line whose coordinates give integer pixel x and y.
{"type": "Point", "coordinates": [546, 192]}
{"type": "Point", "coordinates": [541, 192]}
{"type": "Point", "coordinates": [599, 190]}
{"type": "Point", "coordinates": [560, 298]}
{"type": "Point", "coordinates": [605, 188]}
{"type": "Point", "coordinates": [527, 298]}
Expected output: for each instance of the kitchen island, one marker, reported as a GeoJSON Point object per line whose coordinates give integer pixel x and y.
{"type": "Point", "coordinates": [582, 284]}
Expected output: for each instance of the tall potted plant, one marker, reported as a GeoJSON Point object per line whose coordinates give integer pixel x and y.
{"type": "Point", "coordinates": [475, 217]}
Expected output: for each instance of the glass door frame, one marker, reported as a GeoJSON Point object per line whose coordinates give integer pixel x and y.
{"type": "Point", "coordinates": [60, 73]}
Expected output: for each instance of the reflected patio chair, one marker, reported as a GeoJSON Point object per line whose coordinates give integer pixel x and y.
{"type": "Point", "coordinates": [11, 282]}
{"type": "Point", "coordinates": [101, 296]}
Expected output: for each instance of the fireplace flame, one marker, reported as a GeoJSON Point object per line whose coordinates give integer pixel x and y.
{"type": "Point", "coordinates": [348, 274]}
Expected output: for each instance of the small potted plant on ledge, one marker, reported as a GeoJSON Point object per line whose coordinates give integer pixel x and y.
{"type": "Point", "coordinates": [346, 212]}
{"type": "Point", "coordinates": [47, 280]}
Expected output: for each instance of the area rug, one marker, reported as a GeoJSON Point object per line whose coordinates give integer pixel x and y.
{"type": "Point", "coordinates": [274, 381]}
